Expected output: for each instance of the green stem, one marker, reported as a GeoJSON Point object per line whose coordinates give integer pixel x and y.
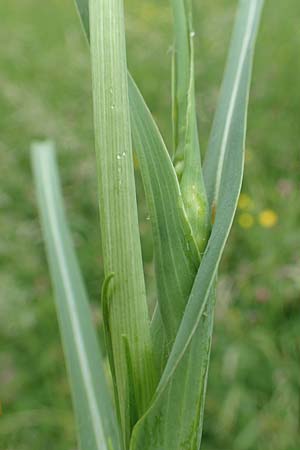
{"type": "Point", "coordinates": [128, 314]}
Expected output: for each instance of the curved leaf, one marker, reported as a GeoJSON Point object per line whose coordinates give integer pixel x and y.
{"type": "Point", "coordinates": [178, 385]}
{"type": "Point", "coordinates": [232, 155]}
{"type": "Point", "coordinates": [176, 255]}
{"type": "Point", "coordinates": [174, 419]}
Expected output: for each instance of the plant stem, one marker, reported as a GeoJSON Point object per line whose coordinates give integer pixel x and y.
{"type": "Point", "coordinates": [128, 314]}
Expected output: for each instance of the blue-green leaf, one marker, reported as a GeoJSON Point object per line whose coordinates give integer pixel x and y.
{"type": "Point", "coordinates": [176, 255]}
{"type": "Point", "coordinates": [174, 419]}
{"type": "Point", "coordinates": [231, 154]}
{"type": "Point", "coordinates": [183, 381]}
{"type": "Point", "coordinates": [83, 11]}
{"type": "Point", "coordinates": [234, 95]}
{"type": "Point", "coordinates": [97, 424]}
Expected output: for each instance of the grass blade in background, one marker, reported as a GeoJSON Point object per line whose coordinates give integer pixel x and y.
{"type": "Point", "coordinates": [129, 324]}
{"type": "Point", "coordinates": [83, 11]}
{"type": "Point", "coordinates": [97, 425]}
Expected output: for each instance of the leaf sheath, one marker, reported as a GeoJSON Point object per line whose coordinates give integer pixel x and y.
{"type": "Point", "coordinates": [118, 209]}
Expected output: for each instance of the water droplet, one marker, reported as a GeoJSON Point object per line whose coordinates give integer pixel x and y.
{"type": "Point", "coordinates": [124, 154]}
{"type": "Point", "coordinates": [119, 157]}
{"type": "Point", "coordinates": [148, 218]}
{"type": "Point", "coordinates": [192, 34]}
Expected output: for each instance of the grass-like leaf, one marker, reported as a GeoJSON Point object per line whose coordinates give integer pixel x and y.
{"type": "Point", "coordinates": [180, 407]}
{"type": "Point", "coordinates": [232, 156]}
{"type": "Point", "coordinates": [187, 157]}
{"type": "Point", "coordinates": [83, 11]}
{"type": "Point", "coordinates": [97, 424]}
{"type": "Point", "coordinates": [174, 420]}
{"type": "Point", "coordinates": [176, 255]}
{"type": "Point", "coordinates": [178, 386]}
{"type": "Point", "coordinates": [182, 386]}
{"type": "Point", "coordinates": [128, 311]}
{"type": "Point", "coordinates": [226, 133]}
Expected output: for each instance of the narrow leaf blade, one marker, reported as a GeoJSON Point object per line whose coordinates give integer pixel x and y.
{"type": "Point", "coordinates": [187, 157]}
{"type": "Point", "coordinates": [238, 69]}
{"type": "Point", "coordinates": [176, 255]}
{"type": "Point", "coordinates": [97, 425]}
{"type": "Point", "coordinates": [174, 419]}
{"type": "Point", "coordinates": [83, 11]}
{"type": "Point", "coordinates": [175, 383]}
{"type": "Point", "coordinates": [246, 27]}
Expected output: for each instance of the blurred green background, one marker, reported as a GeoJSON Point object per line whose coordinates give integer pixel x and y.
{"type": "Point", "coordinates": [253, 397]}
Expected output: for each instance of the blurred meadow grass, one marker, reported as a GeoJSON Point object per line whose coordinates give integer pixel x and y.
{"type": "Point", "coordinates": [45, 91]}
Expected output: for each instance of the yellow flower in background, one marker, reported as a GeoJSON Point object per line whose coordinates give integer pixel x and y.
{"type": "Point", "coordinates": [248, 155]}
{"type": "Point", "coordinates": [245, 202]}
{"type": "Point", "coordinates": [246, 220]}
{"type": "Point", "coordinates": [268, 218]}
